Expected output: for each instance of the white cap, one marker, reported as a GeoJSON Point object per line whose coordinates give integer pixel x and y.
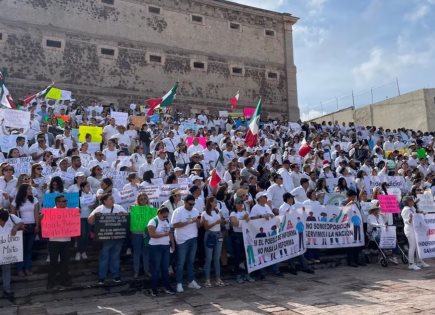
{"type": "Point", "coordinates": [260, 194]}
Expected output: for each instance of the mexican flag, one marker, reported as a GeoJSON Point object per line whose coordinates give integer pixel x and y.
{"type": "Point", "coordinates": [234, 100]}
{"type": "Point", "coordinates": [164, 101]}
{"type": "Point", "coordinates": [43, 93]}
{"type": "Point", "coordinates": [5, 97]}
{"type": "Point", "coordinates": [217, 174]}
{"type": "Point", "coordinates": [254, 127]}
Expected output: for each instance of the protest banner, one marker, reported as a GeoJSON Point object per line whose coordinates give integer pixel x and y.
{"type": "Point", "coordinates": [72, 199]}
{"type": "Point", "coordinates": [333, 227]}
{"type": "Point", "coordinates": [425, 202]}
{"type": "Point", "coordinates": [111, 226]}
{"type": "Point", "coordinates": [157, 181]}
{"type": "Point", "coordinates": [11, 248]}
{"type": "Point", "coordinates": [332, 182]}
{"type": "Point", "coordinates": [388, 204]}
{"type": "Point", "coordinates": [8, 142]}
{"type": "Point", "coordinates": [95, 132]}
{"type": "Point", "coordinates": [424, 229]}
{"type": "Point", "coordinates": [388, 237]}
{"type": "Point", "coordinates": [153, 193]}
{"type": "Point", "coordinates": [371, 182]}
{"type": "Point", "coordinates": [60, 222]}
{"type": "Point", "coordinates": [21, 165]}
{"type": "Point", "coordinates": [333, 199]}
{"type": "Point", "coordinates": [14, 118]}
{"type": "Point", "coordinates": [138, 121]}
{"type": "Point", "coordinates": [121, 118]}
{"type": "Point", "coordinates": [128, 196]}
{"type": "Point", "coordinates": [248, 112]}
{"type": "Point", "coordinates": [202, 141]}
{"type": "Point", "coordinates": [268, 242]}
{"type": "Point", "coordinates": [140, 216]}
{"type": "Point", "coordinates": [184, 181]}
{"type": "Point", "coordinates": [165, 191]}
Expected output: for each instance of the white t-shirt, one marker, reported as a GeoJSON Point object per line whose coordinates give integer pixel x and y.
{"type": "Point", "coordinates": [212, 219]}
{"type": "Point", "coordinates": [102, 209]}
{"type": "Point", "coordinates": [27, 211]}
{"type": "Point", "coordinates": [186, 232]}
{"type": "Point", "coordinates": [162, 227]}
{"type": "Point", "coordinates": [239, 215]}
{"type": "Point", "coordinates": [86, 200]}
{"type": "Point", "coordinates": [260, 210]}
{"type": "Point", "coordinates": [9, 224]}
{"type": "Point", "coordinates": [284, 208]}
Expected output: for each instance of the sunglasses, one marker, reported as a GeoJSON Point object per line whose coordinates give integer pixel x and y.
{"type": "Point", "coordinates": [38, 168]}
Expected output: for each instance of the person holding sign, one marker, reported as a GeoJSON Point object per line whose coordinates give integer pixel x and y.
{"type": "Point", "coordinates": [408, 213]}
{"type": "Point", "coordinates": [9, 225]}
{"type": "Point", "coordinates": [111, 249]}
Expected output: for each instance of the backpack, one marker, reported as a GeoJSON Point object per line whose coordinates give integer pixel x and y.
{"type": "Point", "coordinates": [146, 235]}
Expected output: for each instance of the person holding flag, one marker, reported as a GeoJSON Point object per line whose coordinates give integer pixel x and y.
{"type": "Point", "coordinates": [164, 101]}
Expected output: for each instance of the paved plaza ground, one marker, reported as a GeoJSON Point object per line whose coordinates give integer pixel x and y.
{"type": "Point", "coordinates": [340, 290]}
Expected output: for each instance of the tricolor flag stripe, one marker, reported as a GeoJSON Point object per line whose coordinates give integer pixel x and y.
{"type": "Point", "coordinates": [5, 97]}
{"type": "Point", "coordinates": [165, 101]}
{"type": "Point", "coordinates": [254, 127]}
{"type": "Point", "coordinates": [234, 100]}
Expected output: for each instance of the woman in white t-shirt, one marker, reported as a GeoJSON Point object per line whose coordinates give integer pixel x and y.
{"type": "Point", "coordinates": [161, 240]}
{"type": "Point", "coordinates": [110, 153]}
{"type": "Point", "coordinates": [26, 207]}
{"type": "Point", "coordinates": [211, 220]}
{"type": "Point", "coordinates": [87, 203]}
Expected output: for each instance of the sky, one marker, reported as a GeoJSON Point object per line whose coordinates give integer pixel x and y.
{"type": "Point", "coordinates": [353, 52]}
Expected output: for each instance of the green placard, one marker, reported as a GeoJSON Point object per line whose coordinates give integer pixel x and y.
{"type": "Point", "coordinates": [421, 153]}
{"type": "Point", "coordinates": [140, 216]}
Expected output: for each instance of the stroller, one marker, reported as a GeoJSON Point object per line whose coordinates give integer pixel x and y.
{"type": "Point", "coordinates": [385, 246]}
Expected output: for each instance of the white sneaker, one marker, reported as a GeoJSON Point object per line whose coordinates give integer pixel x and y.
{"type": "Point", "coordinates": [84, 256]}
{"type": "Point", "coordinates": [394, 260]}
{"type": "Point", "coordinates": [78, 256]}
{"type": "Point", "coordinates": [423, 264]}
{"type": "Point", "coordinates": [193, 285]}
{"type": "Point", "coordinates": [413, 267]}
{"type": "Point", "coordinates": [180, 288]}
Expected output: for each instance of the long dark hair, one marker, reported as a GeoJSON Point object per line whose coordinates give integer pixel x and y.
{"type": "Point", "coordinates": [58, 180]}
{"type": "Point", "coordinates": [22, 197]}
{"type": "Point", "coordinates": [208, 207]}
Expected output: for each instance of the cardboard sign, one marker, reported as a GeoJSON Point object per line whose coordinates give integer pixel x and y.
{"type": "Point", "coordinates": [426, 202]}
{"type": "Point", "coordinates": [21, 165]}
{"type": "Point", "coordinates": [127, 196]}
{"type": "Point", "coordinates": [8, 142]}
{"type": "Point", "coordinates": [140, 216]}
{"type": "Point", "coordinates": [121, 119]}
{"type": "Point", "coordinates": [248, 112]}
{"type": "Point", "coordinates": [95, 132]}
{"type": "Point", "coordinates": [388, 238]}
{"type": "Point", "coordinates": [59, 222]}
{"type": "Point", "coordinates": [388, 204]}
{"type": "Point", "coordinates": [421, 153]}
{"type": "Point", "coordinates": [111, 226]}
{"type": "Point", "coordinates": [11, 248]}
{"type": "Point", "coordinates": [138, 121]}
{"type": "Point", "coordinates": [202, 141]}
{"type": "Point", "coordinates": [71, 198]}
{"type": "Point", "coordinates": [14, 118]}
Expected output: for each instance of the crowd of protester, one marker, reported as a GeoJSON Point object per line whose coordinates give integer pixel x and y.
{"type": "Point", "coordinates": [203, 229]}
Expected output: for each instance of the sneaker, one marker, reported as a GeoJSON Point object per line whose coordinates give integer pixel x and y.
{"type": "Point", "coordinates": [423, 264]}
{"type": "Point", "coordinates": [84, 256]}
{"type": "Point", "coordinates": [117, 280]}
{"type": "Point", "coordinates": [249, 278]}
{"type": "Point", "coordinates": [413, 267]}
{"type": "Point", "coordinates": [154, 292]}
{"type": "Point", "coordinates": [169, 291]}
{"type": "Point", "coordinates": [207, 284]}
{"type": "Point", "coordinates": [101, 282]}
{"type": "Point", "coordinates": [78, 256]}
{"type": "Point", "coordinates": [239, 279]}
{"type": "Point", "coordinates": [220, 283]}
{"type": "Point", "coordinates": [193, 285]}
{"type": "Point", "coordinates": [394, 260]}
{"type": "Point", "coordinates": [180, 288]}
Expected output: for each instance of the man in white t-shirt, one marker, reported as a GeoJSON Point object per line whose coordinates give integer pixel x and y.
{"type": "Point", "coordinates": [109, 130]}
{"type": "Point", "coordinates": [185, 221]}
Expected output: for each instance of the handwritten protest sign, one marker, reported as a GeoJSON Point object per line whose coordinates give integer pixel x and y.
{"type": "Point", "coordinates": [21, 165]}
{"type": "Point", "coordinates": [388, 237]}
{"type": "Point", "coordinates": [72, 199]}
{"type": "Point", "coordinates": [140, 216]}
{"type": "Point", "coordinates": [121, 118]}
{"type": "Point", "coordinates": [268, 242]}
{"type": "Point", "coordinates": [153, 193]}
{"type": "Point", "coordinates": [165, 191]}
{"type": "Point", "coordinates": [11, 248]}
{"type": "Point", "coordinates": [119, 178]}
{"type": "Point", "coordinates": [424, 229]}
{"type": "Point", "coordinates": [371, 182]}
{"type": "Point", "coordinates": [59, 222]}
{"type": "Point", "coordinates": [389, 204]}
{"type": "Point", "coordinates": [333, 227]}
{"type": "Point", "coordinates": [138, 121]}
{"type": "Point", "coordinates": [202, 141]}
{"type": "Point", "coordinates": [426, 202]}
{"type": "Point", "coordinates": [127, 196]}
{"type": "Point", "coordinates": [14, 118]}
{"type": "Point", "coordinates": [184, 181]}
{"type": "Point", "coordinates": [95, 132]}
{"type": "Point", "coordinates": [111, 226]}
{"type": "Point", "coordinates": [8, 142]}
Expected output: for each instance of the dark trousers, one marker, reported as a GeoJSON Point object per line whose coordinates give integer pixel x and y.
{"type": "Point", "coordinates": [56, 249]}
{"type": "Point", "coordinates": [238, 251]}
{"type": "Point", "coordinates": [171, 157]}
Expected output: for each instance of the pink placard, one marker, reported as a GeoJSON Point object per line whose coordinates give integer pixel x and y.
{"type": "Point", "coordinates": [389, 203]}
{"type": "Point", "coordinates": [202, 141]}
{"type": "Point", "coordinates": [248, 112]}
{"type": "Point", "coordinates": [58, 222]}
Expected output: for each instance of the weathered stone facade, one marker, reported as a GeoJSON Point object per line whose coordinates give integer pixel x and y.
{"type": "Point", "coordinates": [126, 51]}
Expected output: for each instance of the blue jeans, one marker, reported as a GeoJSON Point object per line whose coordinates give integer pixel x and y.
{"type": "Point", "coordinates": [140, 252]}
{"type": "Point", "coordinates": [6, 276]}
{"type": "Point", "coordinates": [160, 263]}
{"type": "Point", "coordinates": [109, 258]}
{"type": "Point", "coordinates": [212, 253]}
{"type": "Point", "coordinates": [83, 241]}
{"type": "Point", "coordinates": [186, 254]}
{"type": "Point", "coordinates": [28, 240]}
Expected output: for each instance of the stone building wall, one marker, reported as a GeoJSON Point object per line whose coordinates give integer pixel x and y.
{"type": "Point", "coordinates": [132, 50]}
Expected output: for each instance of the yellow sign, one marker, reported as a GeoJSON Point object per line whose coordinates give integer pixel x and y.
{"type": "Point", "coordinates": [388, 152]}
{"type": "Point", "coordinates": [95, 132]}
